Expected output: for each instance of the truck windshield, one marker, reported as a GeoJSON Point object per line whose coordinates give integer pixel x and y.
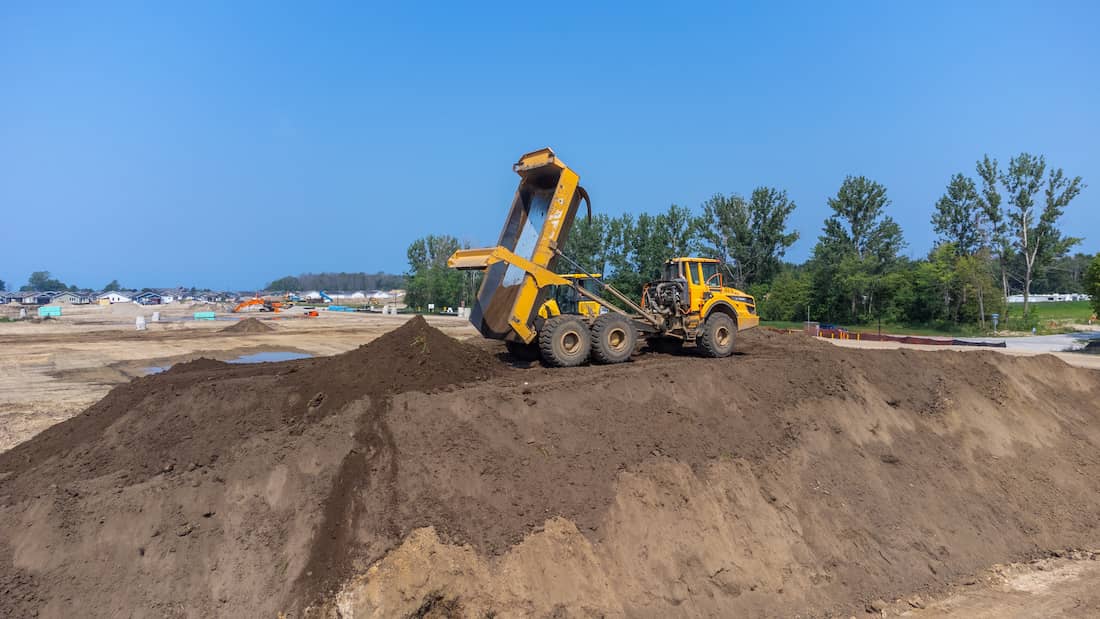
{"type": "Point", "coordinates": [710, 269]}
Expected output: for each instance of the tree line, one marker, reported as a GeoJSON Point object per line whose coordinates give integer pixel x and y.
{"type": "Point", "coordinates": [997, 234]}
{"type": "Point", "coordinates": [337, 281]}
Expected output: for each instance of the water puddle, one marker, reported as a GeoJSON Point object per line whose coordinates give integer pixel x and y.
{"type": "Point", "coordinates": [258, 357]}
{"type": "Point", "coordinates": [269, 357]}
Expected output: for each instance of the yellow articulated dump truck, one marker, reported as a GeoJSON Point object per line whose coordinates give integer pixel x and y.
{"type": "Point", "coordinates": [567, 319]}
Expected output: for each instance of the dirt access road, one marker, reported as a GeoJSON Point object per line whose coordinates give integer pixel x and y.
{"type": "Point", "coordinates": [51, 370]}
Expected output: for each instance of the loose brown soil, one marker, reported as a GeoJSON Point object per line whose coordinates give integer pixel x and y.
{"type": "Point", "coordinates": [419, 474]}
{"type": "Point", "coordinates": [248, 325]}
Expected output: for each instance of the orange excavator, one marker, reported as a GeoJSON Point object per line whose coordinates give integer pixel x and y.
{"type": "Point", "coordinates": [265, 305]}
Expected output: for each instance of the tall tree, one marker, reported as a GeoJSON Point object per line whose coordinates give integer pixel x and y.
{"type": "Point", "coordinates": [859, 221]}
{"type": "Point", "coordinates": [1035, 230]}
{"type": "Point", "coordinates": [429, 280]}
{"type": "Point", "coordinates": [752, 234]}
{"type": "Point", "coordinates": [858, 244]}
{"type": "Point", "coordinates": [958, 215]}
{"type": "Point", "coordinates": [3, 286]}
{"type": "Point", "coordinates": [677, 227]}
{"type": "Point", "coordinates": [587, 243]}
{"type": "Point", "coordinates": [636, 249]}
{"type": "Point", "coordinates": [995, 229]}
{"type": "Point", "coordinates": [961, 219]}
{"type": "Point", "coordinates": [112, 286]}
{"type": "Point", "coordinates": [42, 281]}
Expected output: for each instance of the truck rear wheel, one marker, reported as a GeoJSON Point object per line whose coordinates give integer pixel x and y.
{"type": "Point", "coordinates": [564, 341]}
{"type": "Point", "coordinates": [716, 340]}
{"type": "Point", "coordinates": [613, 338]}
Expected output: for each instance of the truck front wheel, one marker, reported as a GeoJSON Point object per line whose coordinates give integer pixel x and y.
{"type": "Point", "coordinates": [564, 341]}
{"type": "Point", "coordinates": [716, 340]}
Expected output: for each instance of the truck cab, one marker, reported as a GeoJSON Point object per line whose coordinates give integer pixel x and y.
{"type": "Point", "coordinates": [693, 290]}
{"type": "Point", "coordinates": [566, 300]}
{"type": "Point", "coordinates": [706, 286]}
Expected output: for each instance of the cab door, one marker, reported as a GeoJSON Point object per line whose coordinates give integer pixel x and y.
{"type": "Point", "coordinates": [696, 285]}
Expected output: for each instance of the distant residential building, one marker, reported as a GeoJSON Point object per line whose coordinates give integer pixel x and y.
{"type": "Point", "coordinates": [1049, 298]}
{"type": "Point", "coordinates": [70, 298]}
{"type": "Point", "coordinates": [148, 298]}
{"type": "Point", "coordinates": [210, 297]}
{"type": "Point", "coordinates": [116, 296]}
{"type": "Point", "coordinates": [32, 297]}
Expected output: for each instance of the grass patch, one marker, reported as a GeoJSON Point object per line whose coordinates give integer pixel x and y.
{"type": "Point", "coordinates": [1072, 311]}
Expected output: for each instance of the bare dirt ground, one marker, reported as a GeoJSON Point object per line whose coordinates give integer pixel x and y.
{"type": "Point", "coordinates": [420, 476]}
{"type": "Point", "coordinates": [52, 370]}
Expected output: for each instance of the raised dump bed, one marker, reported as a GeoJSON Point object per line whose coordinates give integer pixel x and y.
{"type": "Point", "coordinates": [542, 212]}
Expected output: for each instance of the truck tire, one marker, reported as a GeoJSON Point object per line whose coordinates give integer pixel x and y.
{"type": "Point", "coordinates": [716, 340]}
{"type": "Point", "coordinates": [613, 338]}
{"type": "Point", "coordinates": [564, 341]}
{"type": "Point", "coordinates": [522, 352]}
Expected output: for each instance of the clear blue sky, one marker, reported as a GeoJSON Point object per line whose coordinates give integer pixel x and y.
{"type": "Point", "coordinates": [224, 144]}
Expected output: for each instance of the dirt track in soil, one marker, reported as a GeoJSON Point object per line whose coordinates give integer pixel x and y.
{"type": "Point", "coordinates": [418, 473]}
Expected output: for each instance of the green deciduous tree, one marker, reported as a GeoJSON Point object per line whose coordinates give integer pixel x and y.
{"type": "Point", "coordinates": [587, 244]}
{"type": "Point", "coordinates": [958, 215]}
{"type": "Point", "coordinates": [751, 234]}
{"type": "Point", "coordinates": [429, 279]}
{"type": "Point", "coordinates": [42, 281]}
{"type": "Point", "coordinates": [858, 246]}
{"type": "Point", "coordinates": [1034, 227]}
{"type": "Point", "coordinates": [1092, 283]}
{"type": "Point", "coordinates": [3, 286]}
{"type": "Point", "coordinates": [113, 286]}
{"type": "Point", "coordinates": [285, 283]}
{"type": "Point", "coordinates": [636, 249]}
{"type": "Point", "coordinates": [1065, 274]}
{"type": "Point", "coordinates": [995, 226]}
{"type": "Point", "coordinates": [788, 297]}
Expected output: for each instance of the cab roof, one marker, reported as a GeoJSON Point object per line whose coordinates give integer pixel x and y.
{"type": "Point", "coordinates": [690, 259]}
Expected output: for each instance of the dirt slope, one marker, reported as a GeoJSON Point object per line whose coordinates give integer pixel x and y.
{"type": "Point", "coordinates": [796, 478]}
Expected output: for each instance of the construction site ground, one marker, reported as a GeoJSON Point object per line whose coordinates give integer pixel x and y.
{"type": "Point", "coordinates": [423, 476]}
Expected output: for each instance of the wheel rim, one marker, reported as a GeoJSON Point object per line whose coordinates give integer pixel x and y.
{"type": "Point", "coordinates": [616, 339]}
{"type": "Point", "coordinates": [722, 336]}
{"type": "Point", "coordinates": [571, 342]}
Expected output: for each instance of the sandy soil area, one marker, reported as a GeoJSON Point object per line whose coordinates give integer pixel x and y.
{"type": "Point", "coordinates": [53, 369]}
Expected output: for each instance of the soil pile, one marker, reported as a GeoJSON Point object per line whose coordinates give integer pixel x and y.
{"type": "Point", "coordinates": [248, 325]}
{"type": "Point", "coordinates": [206, 473]}
{"type": "Point", "coordinates": [795, 478]}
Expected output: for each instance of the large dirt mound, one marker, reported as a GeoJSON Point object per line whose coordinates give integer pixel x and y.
{"type": "Point", "coordinates": [170, 462]}
{"type": "Point", "coordinates": [795, 478]}
{"type": "Point", "coordinates": [248, 325]}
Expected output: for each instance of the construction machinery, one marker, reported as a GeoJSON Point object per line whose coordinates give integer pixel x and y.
{"type": "Point", "coordinates": [565, 300]}
{"type": "Point", "coordinates": [518, 303]}
{"type": "Point", "coordinates": [264, 305]}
